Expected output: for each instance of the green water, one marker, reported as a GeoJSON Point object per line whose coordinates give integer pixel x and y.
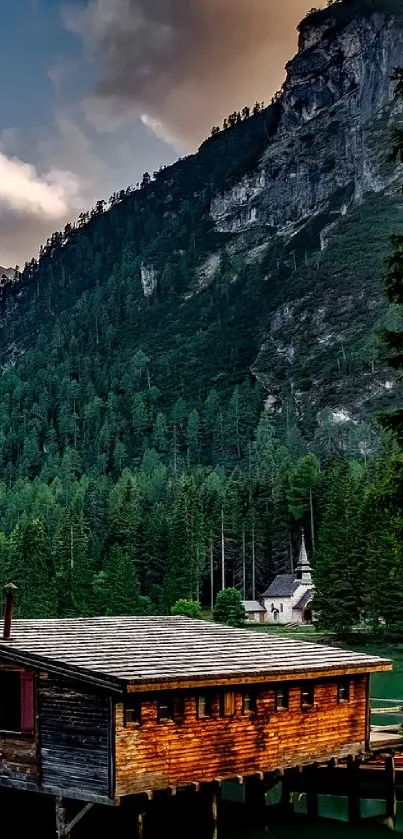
{"type": "Point", "coordinates": [299, 828]}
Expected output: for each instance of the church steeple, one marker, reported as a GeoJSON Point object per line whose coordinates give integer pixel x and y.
{"type": "Point", "coordinates": [303, 570]}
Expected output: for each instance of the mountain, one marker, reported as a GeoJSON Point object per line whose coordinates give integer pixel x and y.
{"type": "Point", "coordinates": [7, 272]}
{"type": "Point", "coordinates": [248, 274]}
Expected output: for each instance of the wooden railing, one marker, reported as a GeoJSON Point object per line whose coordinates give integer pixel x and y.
{"type": "Point", "coordinates": [390, 707]}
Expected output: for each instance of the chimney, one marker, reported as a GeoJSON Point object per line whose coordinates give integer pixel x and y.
{"type": "Point", "coordinates": [10, 588]}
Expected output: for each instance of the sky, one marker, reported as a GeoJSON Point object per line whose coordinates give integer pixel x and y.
{"type": "Point", "coordinates": [94, 93]}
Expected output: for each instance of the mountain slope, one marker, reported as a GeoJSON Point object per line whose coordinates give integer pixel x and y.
{"type": "Point", "coordinates": [248, 272]}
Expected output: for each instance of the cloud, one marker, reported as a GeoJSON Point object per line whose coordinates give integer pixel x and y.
{"type": "Point", "coordinates": [32, 205]}
{"type": "Point", "coordinates": [184, 64]}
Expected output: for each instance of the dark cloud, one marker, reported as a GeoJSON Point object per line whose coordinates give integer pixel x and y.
{"type": "Point", "coordinates": [183, 64]}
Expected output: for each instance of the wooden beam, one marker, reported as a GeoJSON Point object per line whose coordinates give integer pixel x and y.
{"type": "Point", "coordinates": [311, 775]}
{"type": "Point", "coordinates": [353, 769]}
{"type": "Point", "coordinates": [60, 818]}
{"type": "Point", "coordinates": [77, 818]}
{"type": "Point", "coordinates": [390, 791]}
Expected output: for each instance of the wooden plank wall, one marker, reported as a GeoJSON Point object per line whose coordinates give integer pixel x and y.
{"type": "Point", "coordinates": [19, 757]}
{"type": "Point", "coordinates": [75, 742]}
{"type": "Point", "coordinates": [152, 755]}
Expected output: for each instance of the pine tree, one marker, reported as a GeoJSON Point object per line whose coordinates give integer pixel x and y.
{"type": "Point", "coordinates": [31, 569]}
{"type": "Point", "coordinates": [339, 563]}
{"type": "Point", "coordinates": [229, 608]}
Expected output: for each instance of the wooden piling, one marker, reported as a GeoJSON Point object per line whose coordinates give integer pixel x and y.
{"type": "Point", "coordinates": [390, 791]}
{"type": "Point", "coordinates": [140, 825]}
{"type": "Point", "coordinates": [312, 791]}
{"type": "Point", "coordinates": [353, 780]}
{"type": "Point", "coordinates": [286, 795]}
{"type": "Point", "coordinates": [255, 799]}
{"type": "Point", "coordinates": [60, 813]}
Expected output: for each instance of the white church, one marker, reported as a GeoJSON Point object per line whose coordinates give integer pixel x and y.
{"type": "Point", "coordinates": [288, 599]}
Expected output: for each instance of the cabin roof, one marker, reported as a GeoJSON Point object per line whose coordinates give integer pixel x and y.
{"type": "Point", "coordinates": [253, 606]}
{"type": "Point", "coordinates": [158, 651]}
{"type": "Point", "coordinates": [284, 585]}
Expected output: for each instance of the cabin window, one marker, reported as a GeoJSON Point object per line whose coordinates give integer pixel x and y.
{"type": "Point", "coordinates": [307, 696]}
{"type": "Point", "coordinates": [204, 706]}
{"type": "Point", "coordinates": [281, 699]}
{"type": "Point", "coordinates": [249, 703]}
{"type": "Point", "coordinates": [165, 709]}
{"type": "Point", "coordinates": [132, 709]}
{"type": "Point", "coordinates": [343, 691]}
{"type": "Point", "coordinates": [227, 703]}
{"type": "Point", "coordinates": [17, 702]}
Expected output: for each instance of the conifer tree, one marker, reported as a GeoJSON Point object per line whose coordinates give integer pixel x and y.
{"type": "Point", "coordinates": [30, 567]}
{"type": "Point", "coordinates": [338, 569]}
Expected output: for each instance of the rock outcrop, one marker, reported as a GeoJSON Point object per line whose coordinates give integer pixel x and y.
{"type": "Point", "coordinates": [326, 154]}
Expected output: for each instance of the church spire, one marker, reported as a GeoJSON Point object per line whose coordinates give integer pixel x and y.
{"type": "Point", "coordinates": [303, 570]}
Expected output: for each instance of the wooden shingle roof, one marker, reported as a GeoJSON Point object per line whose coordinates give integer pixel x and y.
{"type": "Point", "coordinates": [253, 606]}
{"type": "Point", "coordinates": [147, 652]}
{"type": "Point", "coordinates": [284, 585]}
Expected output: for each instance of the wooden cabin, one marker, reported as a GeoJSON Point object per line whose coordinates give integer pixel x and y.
{"type": "Point", "coordinates": [97, 709]}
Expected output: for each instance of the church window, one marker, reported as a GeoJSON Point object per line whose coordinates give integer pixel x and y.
{"type": "Point", "coordinates": [281, 607]}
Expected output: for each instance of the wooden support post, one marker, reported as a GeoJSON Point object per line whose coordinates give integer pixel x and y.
{"type": "Point", "coordinates": [209, 798]}
{"type": "Point", "coordinates": [312, 792]}
{"type": "Point", "coordinates": [63, 827]}
{"type": "Point", "coordinates": [214, 810]}
{"type": "Point", "coordinates": [390, 791]}
{"type": "Point", "coordinates": [140, 825]}
{"type": "Point", "coordinates": [353, 781]}
{"type": "Point", "coordinates": [286, 795]}
{"type": "Point", "coordinates": [255, 799]}
{"type": "Point", "coordinates": [60, 818]}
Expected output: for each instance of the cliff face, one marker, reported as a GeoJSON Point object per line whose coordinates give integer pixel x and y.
{"type": "Point", "coordinates": [315, 184]}
{"type": "Point", "coordinates": [326, 153]}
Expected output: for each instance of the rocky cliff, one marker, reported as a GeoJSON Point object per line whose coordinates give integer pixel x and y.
{"type": "Point", "coordinates": [327, 159]}
{"type": "Point", "coordinates": [326, 154]}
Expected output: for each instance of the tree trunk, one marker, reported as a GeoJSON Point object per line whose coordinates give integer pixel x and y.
{"type": "Point", "coordinates": [253, 563]}
{"type": "Point", "coordinates": [312, 521]}
{"type": "Point", "coordinates": [211, 572]}
{"type": "Point", "coordinates": [222, 551]}
{"type": "Point", "coordinates": [243, 564]}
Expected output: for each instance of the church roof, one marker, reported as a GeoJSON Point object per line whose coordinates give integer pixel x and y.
{"type": "Point", "coordinates": [305, 599]}
{"type": "Point", "coordinates": [303, 569]}
{"type": "Point", "coordinates": [253, 606]}
{"type": "Point", "coordinates": [284, 585]}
